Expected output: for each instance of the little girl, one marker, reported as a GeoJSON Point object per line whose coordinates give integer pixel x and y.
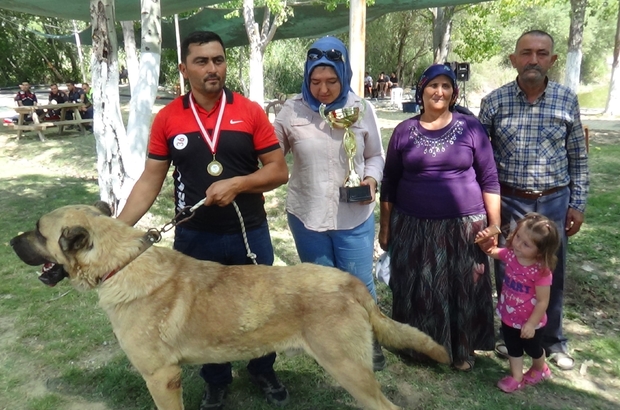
{"type": "Point", "coordinates": [529, 257]}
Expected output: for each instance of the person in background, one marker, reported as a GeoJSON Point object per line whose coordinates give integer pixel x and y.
{"type": "Point", "coordinates": [88, 91]}
{"type": "Point", "coordinates": [86, 111]}
{"type": "Point", "coordinates": [542, 161]}
{"type": "Point", "coordinates": [393, 81]}
{"type": "Point", "coordinates": [25, 97]}
{"type": "Point", "coordinates": [382, 85]}
{"type": "Point", "coordinates": [74, 95]}
{"type": "Point", "coordinates": [368, 82]}
{"type": "Point", "coordinates": [216, 140]}
{"type": "Point", "coordinates": [529, 257]}
{"type": "Point", "coordinates": [58, 97]}
{"type": "Point", "coordinates": [440, 189]}
{"type": "Point", "coordinates": [327, 231]}
{"type": "Point", "coordinates": [123, 75]}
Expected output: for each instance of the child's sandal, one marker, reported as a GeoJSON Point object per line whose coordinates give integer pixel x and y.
{"type": "Point", "coordinates": [508, 384]}
{"type": "Point", "coordinates": [534, 376]}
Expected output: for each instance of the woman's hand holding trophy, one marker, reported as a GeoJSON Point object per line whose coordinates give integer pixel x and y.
{"type": "Point", "coordinates": [344, 118]}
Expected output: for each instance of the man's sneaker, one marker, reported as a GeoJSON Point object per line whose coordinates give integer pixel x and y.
{"type": "Point", "coordinates": [213, 397]}
{"type": "Point", "coordinates": [274, 391]}
{"type": "Point", "coordinates": [534, 376]}
{"type": "Point", "coordinates": [378, 359]}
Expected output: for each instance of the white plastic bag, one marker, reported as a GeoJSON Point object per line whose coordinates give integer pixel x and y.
{"type": "Point", "coordinates": [382, 268]}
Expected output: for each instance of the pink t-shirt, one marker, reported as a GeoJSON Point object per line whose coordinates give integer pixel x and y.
{"type": "Point", "coordinates": [518, 298]}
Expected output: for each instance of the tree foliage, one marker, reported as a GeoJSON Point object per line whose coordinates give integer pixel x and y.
{"type": "Point", "coordinates": [29, 51]}
{"type": "Point", "coordinates": [400, 42]}
{"type": "Point", "coordinates": [490, 29]}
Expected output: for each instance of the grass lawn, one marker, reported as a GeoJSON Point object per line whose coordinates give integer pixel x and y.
{"type": "Point", "coordinates": [594, 96]}
{"type": "Point", "coordinates": [57, 349]}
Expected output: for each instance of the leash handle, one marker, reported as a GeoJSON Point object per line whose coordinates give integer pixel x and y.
{"type": "Point", "coordinates": [198, 205]}
{"type": "Point", "coordinates": [192, 210]}
{"type": "Point", "coordinates": [188, 212]}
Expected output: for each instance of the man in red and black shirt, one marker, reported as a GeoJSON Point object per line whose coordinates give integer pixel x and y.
{"type": "Point", "coordinates": [215, 139]}
{"type": "Point", "coordinates": [26, 98]}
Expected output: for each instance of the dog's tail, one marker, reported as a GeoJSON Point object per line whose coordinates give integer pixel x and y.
{"type": "Point", "coordinates": [390, 333]}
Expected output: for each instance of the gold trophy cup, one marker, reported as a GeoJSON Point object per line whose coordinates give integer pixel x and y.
{"type": "Point", "coordinates": [343, 118]}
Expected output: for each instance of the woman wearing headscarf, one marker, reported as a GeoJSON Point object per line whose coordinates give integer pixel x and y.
{"type": "Point", "coordinates": [439, 189]}
{"type": "Point", "coordinates": [326, 230]}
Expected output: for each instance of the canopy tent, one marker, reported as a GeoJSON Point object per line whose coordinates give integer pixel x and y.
{"type": "Point", "coordinates": [120, 151]}
{"type": "Point", "coordinates": [309, 20]}
{"type": "Point", "coordinates": [80, 10]}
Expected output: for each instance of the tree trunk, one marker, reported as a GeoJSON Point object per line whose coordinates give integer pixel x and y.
{"type": "Point", "coordinates": [613, 101]}
{"type": "Point", "coordinates": [133, 63]}
{"type": "Point", "coordinates": [575, 39]}
{"type": "Point", "coordinates": [108, 124]}
{"type": "Point", "coordinates": [442, 28]}
{"type": "Point", "coordinates": [144, 91]}
{"type": "Point", "coordinates": [257, 88]}
{"type": "Point", "coordinates": [258, 38]}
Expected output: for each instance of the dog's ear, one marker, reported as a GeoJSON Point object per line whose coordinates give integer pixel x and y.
{"type": "Point", "coordinates": [74, 238]}
{"type": "Point", "coordinates": [103, 207]}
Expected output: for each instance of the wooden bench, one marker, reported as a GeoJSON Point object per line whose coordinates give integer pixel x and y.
{"type": "Point", "coordinates": [40, 126]}
{"type": "Point", "coordinates": [62, 124]}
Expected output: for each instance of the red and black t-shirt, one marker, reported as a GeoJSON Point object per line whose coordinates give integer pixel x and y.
{"type": "Point", "coordinates": [245, 133]}
{"type": "Point", "coordinates": [27, 98]}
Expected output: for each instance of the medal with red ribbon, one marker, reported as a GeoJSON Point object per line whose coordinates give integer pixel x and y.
{"type": "Point", "coordinates": [214, 167]}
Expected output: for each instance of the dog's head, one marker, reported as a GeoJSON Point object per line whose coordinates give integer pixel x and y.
{"type": "Point", "coordinates": [60, 241]}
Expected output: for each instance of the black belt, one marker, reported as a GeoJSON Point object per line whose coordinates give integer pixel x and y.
{"type": "Point", "coordinates": [528, 193]}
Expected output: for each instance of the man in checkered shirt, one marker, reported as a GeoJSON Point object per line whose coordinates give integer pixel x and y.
{"type": "Point", "coordinates": [542, 163]}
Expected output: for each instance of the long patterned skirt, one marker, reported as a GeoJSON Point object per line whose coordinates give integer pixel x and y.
{"type": "Point", "coordinates": [441, 282]}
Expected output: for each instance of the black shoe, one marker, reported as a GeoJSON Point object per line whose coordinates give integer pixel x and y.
{"type": "Point", "coordinates": [378, 359]}
{"type": "Point", "coordinates": [213, 397]}
{"type": "Point", "coordinates": [275, 392]}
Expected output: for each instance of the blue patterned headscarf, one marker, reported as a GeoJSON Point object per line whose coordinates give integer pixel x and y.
{"type": "Point", "coordinates": [432, 72]}
{"type": "Point", "coordinates": [342, 68]}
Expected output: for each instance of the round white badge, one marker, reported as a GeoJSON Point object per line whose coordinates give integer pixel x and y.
{"type": "Point", "coordinates": [180, 141]}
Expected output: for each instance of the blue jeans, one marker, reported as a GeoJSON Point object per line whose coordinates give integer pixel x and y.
{"type": "Point", "coordinates": [349, 250]}
{"type": "Point", "coordinates": [554, 207]}
{"type": "Point", "coordinates": [228, 249]}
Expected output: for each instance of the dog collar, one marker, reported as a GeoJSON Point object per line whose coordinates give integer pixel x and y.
{"type": "Point", "coordinates": [149, 238]}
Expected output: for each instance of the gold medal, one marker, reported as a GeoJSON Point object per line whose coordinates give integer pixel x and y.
{"type": "Point", "coordinates": [215, 168]}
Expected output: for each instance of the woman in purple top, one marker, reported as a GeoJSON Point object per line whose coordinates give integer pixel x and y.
{"type": "Point", "coordinates": [439, 189]}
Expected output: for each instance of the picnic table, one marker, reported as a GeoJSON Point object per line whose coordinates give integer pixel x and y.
{"type": "Point", "coordinates": [40, 126]}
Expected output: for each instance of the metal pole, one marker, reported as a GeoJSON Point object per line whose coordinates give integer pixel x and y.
{"type": "Point", "coordinates": [78, 44]}
{"type": "Point", "coordinates": [176, 31]}
{"type": "Point", "coordinates": [357, 44]}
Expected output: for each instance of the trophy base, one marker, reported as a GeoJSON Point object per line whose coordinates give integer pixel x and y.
{"type": "Point", "coordinates": [355, 194]}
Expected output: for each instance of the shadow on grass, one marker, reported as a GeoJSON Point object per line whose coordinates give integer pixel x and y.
{"type": "Point", "coordinates": [119, 386]}
{"type": "Point", "coordinates": [411, 386]}
{"type": "Point", "coordinates": [25, 198]}
{"type": "Point", "coordinates": [68, 155]}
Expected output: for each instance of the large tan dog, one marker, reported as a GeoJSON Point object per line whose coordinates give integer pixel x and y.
{"type": "Point", "coordinates": [168, 309]}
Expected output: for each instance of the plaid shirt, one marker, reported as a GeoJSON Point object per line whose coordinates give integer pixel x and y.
{"type": "Point", "coordinates": [539, 145]}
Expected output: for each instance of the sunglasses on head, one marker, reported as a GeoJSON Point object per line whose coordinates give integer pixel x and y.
{"type": "Point", "coordinates": [332, 55]}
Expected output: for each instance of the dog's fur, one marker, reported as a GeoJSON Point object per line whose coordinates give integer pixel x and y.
{"type": "Point", "coordinates": [169, 309]}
